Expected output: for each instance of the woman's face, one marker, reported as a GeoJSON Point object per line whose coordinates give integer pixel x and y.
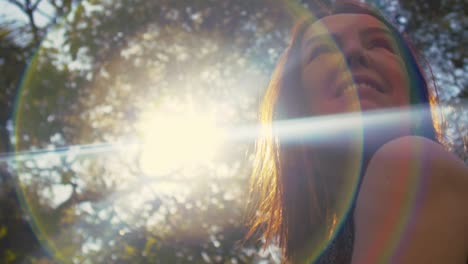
{"type": "Point", "coordinates": [351, 63]}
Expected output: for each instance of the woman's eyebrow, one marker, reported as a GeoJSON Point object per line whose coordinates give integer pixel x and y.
{"type": "Point", "coordinates": [324, 37]}
{"type": "Point", "coordinates": [327, 36]}
{"type": "Point", "coordinates": [376, 30]}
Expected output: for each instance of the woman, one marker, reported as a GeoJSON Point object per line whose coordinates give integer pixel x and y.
{"type": "Point", "coordinates": [390, 194]}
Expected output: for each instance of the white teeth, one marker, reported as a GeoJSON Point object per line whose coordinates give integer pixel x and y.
{"type": "Point", "coordinates": [366, 85]}
{"type": "Point", "coordinates": [362, 85]}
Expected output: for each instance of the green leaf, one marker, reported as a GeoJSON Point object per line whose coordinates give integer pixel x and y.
{"type": "Point", "coordinates": [3, 231]}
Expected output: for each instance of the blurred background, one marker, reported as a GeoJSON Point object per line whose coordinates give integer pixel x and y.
{"type": "Point", "coordinates": [127, 126]}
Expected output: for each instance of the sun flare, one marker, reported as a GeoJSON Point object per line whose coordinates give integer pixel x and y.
{"type": "Point", "coordinates": [173, 141]}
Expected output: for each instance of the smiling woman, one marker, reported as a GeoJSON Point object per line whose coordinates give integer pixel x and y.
{"type": "Point", "coordinates": [385, 194]}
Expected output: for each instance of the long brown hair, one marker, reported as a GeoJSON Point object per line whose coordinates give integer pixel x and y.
{"type": "Point", "coordinates": [290, 203]}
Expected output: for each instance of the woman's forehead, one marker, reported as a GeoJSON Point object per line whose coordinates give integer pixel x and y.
{"type": "Point", "coordinates": [341, 24]}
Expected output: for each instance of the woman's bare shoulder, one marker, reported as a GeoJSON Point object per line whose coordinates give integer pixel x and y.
{"type": "Point", "coordinates": [409, 145]}
{"type": "Point", "coordinates": [414, 189]}
{"type": "Point", "coordinates": [424, 158]}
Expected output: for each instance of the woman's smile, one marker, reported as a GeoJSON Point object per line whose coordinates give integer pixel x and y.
{"type": "Point", "coordinates": [368, 94]}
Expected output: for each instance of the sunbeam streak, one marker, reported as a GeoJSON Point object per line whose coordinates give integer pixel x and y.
{"type": "Point", "coordinates": [77, 150]}
{"type": "Point", "coordinates": [316, 130]}
{"type": "Point", "coordinates": [328, 128]}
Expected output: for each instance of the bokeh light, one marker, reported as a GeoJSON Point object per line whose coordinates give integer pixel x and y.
{"type": "Point", "coordinates": [135, 124]}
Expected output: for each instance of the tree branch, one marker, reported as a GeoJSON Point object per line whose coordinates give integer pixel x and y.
{"type": "Point", "coordinates": [18, 4]}
{"type": "Point", "coordinates": [45, 14]}
{"type": "Point", "coordinates": [34, 6]}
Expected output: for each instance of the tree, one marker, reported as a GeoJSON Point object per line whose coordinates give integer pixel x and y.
{"type": "Point", "coordinates": [96, 71]}
{"type": "Point", "coordinates": [14, 227]}
{"type": "Point", "coordinates": [437, 29]}
{"type": "Point", "coordinates": [67, 100]}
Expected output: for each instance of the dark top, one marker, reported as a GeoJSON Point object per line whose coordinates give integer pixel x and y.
{"type": "Point", "coordinates": [340, 250]}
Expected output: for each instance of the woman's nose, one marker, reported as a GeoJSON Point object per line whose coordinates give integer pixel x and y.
{"type": "Point", "coordinates": [355, 55]}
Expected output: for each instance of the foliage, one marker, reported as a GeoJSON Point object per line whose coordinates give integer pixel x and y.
{"type": "Point", "coordinates": [104, 64]}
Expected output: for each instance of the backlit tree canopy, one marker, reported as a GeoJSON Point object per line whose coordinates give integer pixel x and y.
{"type": "Point", "coordinates": [132, 124]}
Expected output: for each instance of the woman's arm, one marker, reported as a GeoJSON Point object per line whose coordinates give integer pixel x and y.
{"type": "Point", "coordinates": [412, 206]}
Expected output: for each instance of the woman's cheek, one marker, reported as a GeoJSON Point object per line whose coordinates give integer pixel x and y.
{"type": "Point", "coordinates": [319, 78]}
{"type": "Point", "coordinates": [393, 71]}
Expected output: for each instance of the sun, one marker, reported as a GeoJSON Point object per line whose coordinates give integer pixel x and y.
{"type": "Point", "coordinates": [171, 141]}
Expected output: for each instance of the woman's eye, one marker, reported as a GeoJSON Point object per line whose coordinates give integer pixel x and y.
{"type": "Point", "coordinates": [319, 50]}
{"type": "Point", "coordinates": [381, 43]}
